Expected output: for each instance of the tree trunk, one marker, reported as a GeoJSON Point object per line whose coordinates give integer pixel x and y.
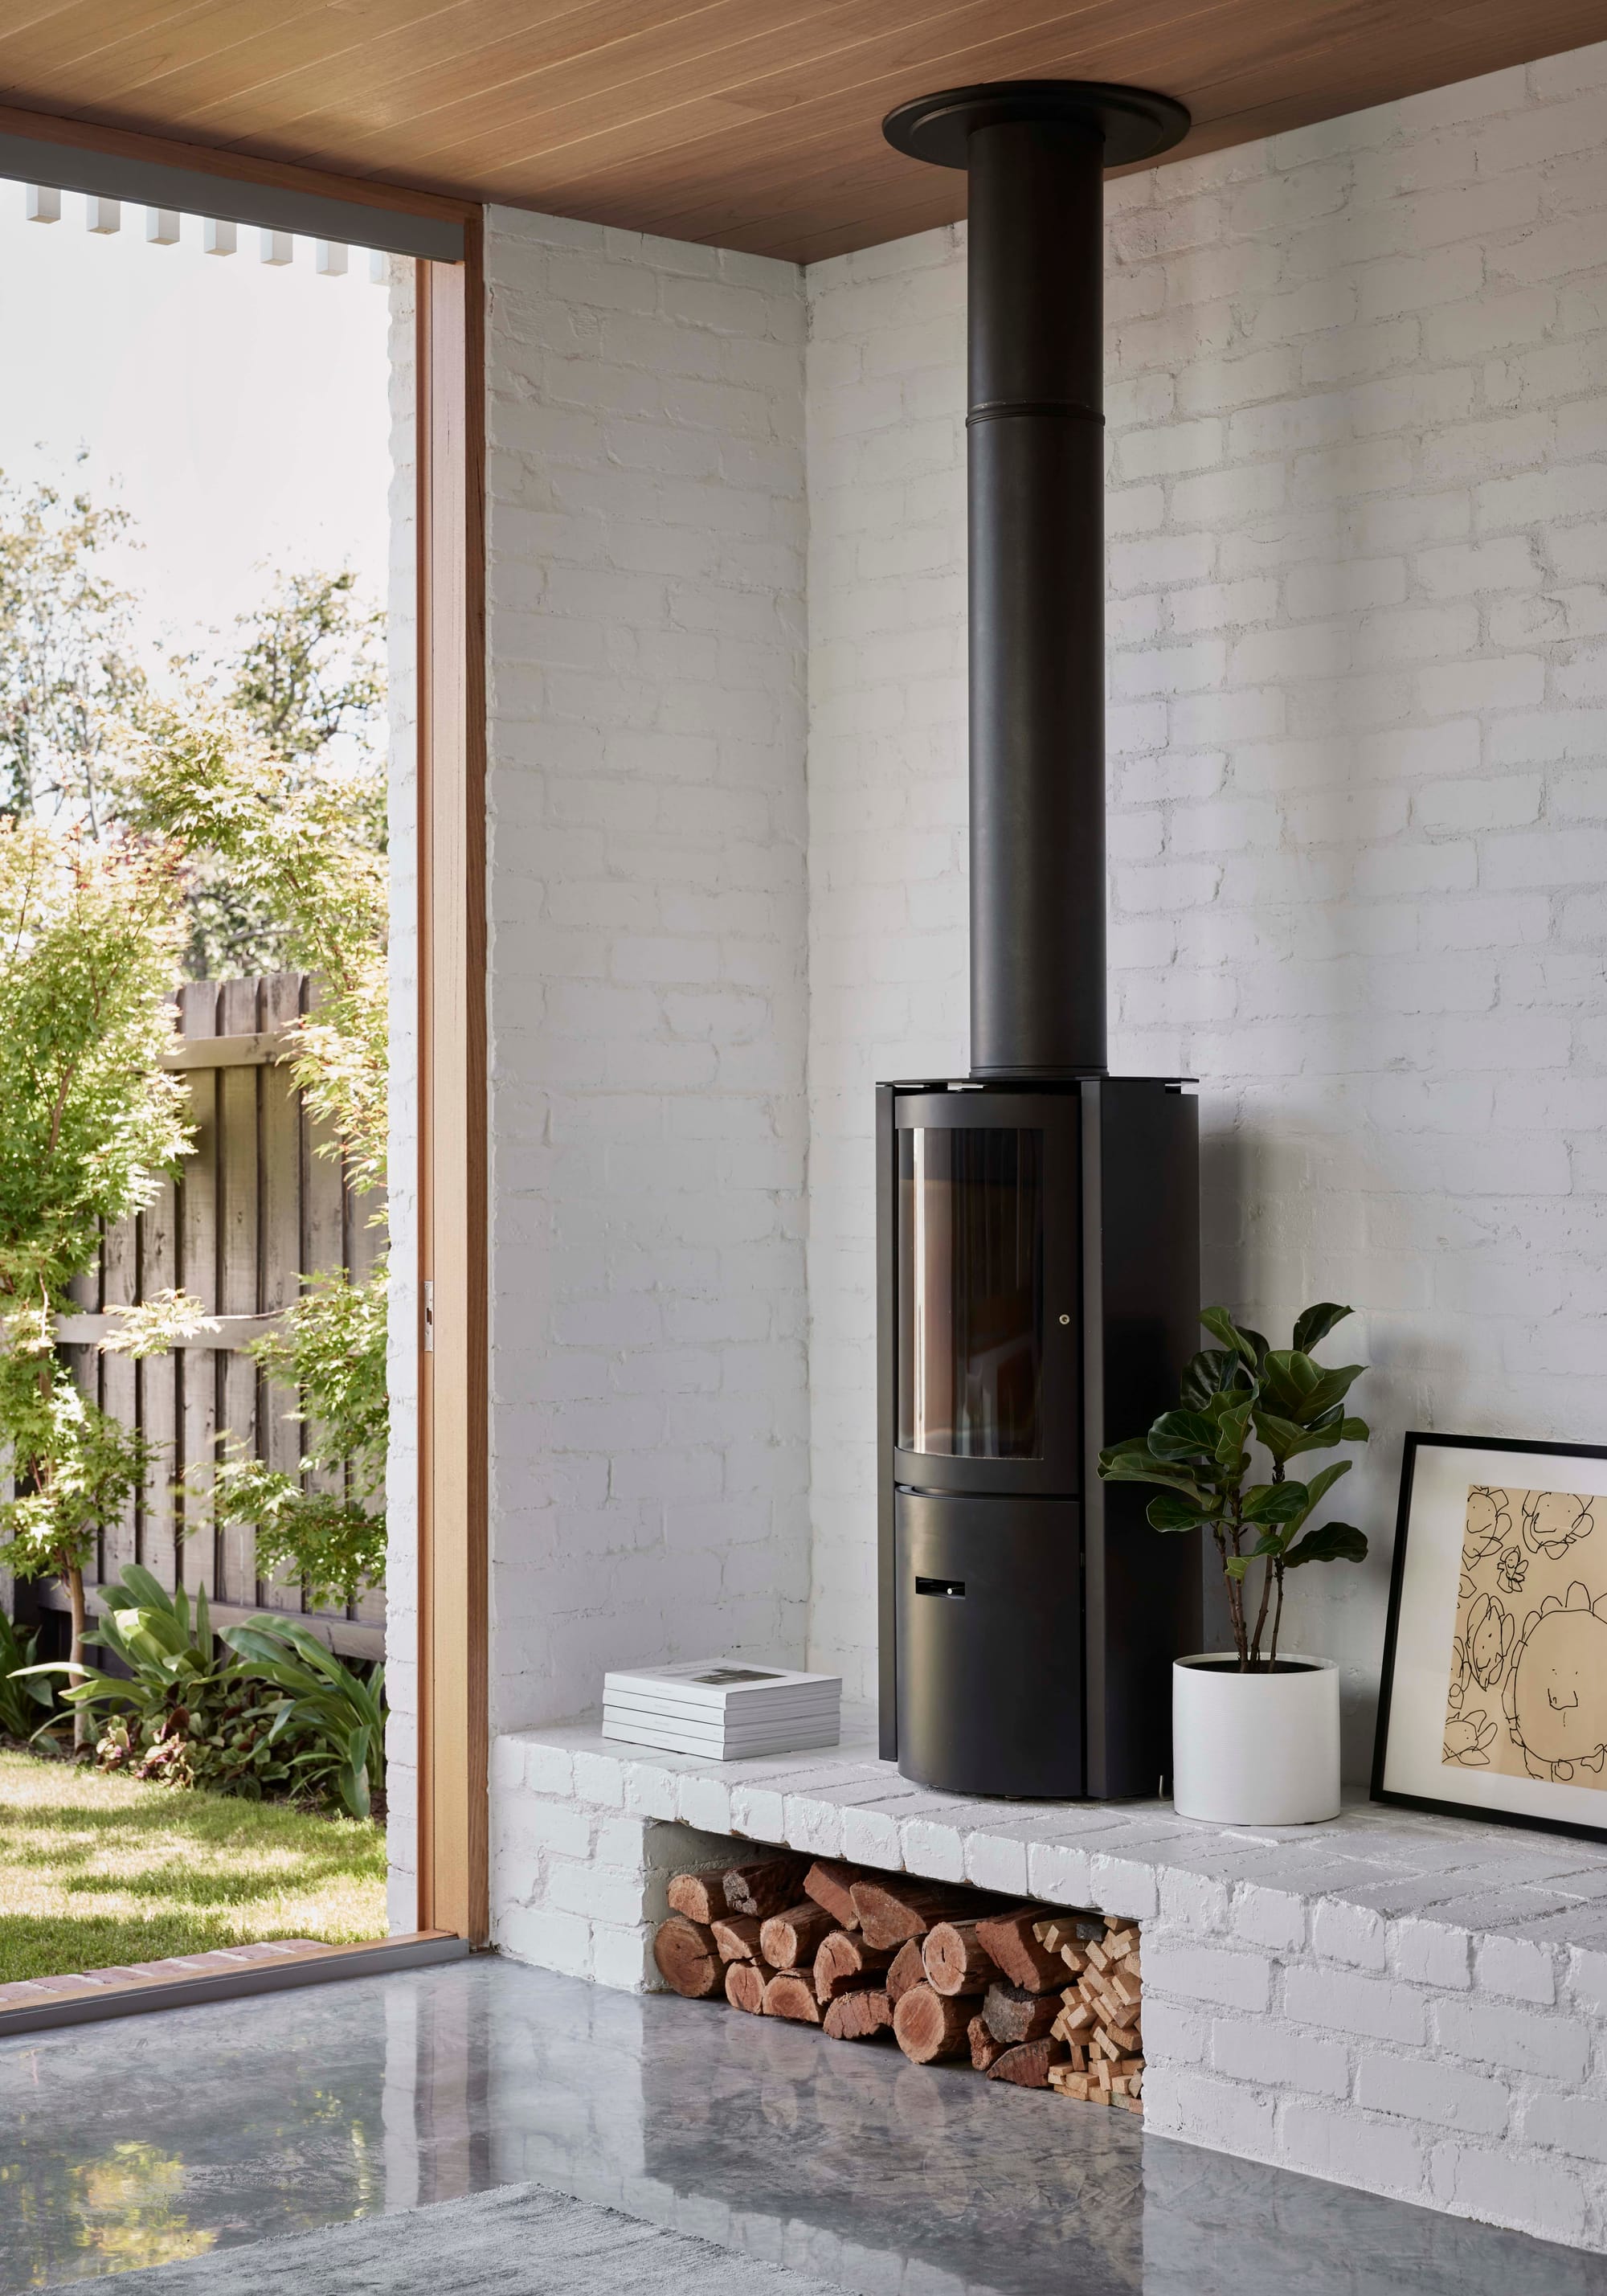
{"type": "Point", "coordinates": [75, 1655]}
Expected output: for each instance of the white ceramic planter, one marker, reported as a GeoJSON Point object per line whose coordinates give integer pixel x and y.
{"type": "Point", "coordinates": [1255, 1749]}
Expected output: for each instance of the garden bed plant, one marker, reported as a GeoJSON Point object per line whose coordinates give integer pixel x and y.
{"type": "Point", "coordinates": [264, 1710]}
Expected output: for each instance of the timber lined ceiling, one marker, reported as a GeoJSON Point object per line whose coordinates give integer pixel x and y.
{"type": "Point", "coordinates": [751, 123]}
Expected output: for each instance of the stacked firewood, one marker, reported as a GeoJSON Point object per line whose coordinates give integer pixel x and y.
{"type": "Point", "coordinates": [948, 1973]}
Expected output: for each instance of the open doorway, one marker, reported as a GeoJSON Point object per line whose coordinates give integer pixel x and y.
{"type": "Point", "coordinates": [202, 577]}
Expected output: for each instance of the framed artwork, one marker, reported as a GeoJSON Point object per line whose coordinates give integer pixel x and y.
{"type": "Point", "coordinates": [1493, 1700]}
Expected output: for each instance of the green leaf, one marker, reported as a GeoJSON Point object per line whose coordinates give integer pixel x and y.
{"type": "Point", "coordinates": [1275, 1502]}
{"type": "Point", "coordinates": [1280, 1435]}
{"type": "Point", "coordinates": [1208, 1375]}
{"type": "Point", "coordinates": [1323, 1482]}
{"type": "Point", "coordinates": [1354, 1431]}
{"type": "Point", "coordinates": [1290, 1379]}
{"type": "Point", "coordinates": [1333, 1542]}
{"type": "Point", "coordinates": [1143, 1469]}
{"type": "Point", "coordinates": [1331, 1387]}
{"type": "Point", "coordinates": [1221, 1326]}
{"type": "Point", "coordinates": [1179, 1435]}
{"type": "Point", "coordinates": [1170, 1513]}
{"type": "Point", "coordinates": [1312, 1324]}
{"type": "Point", "coordinates": [1235, 1566]}
{"type": "Point", "coordinates": [1233, 1428]}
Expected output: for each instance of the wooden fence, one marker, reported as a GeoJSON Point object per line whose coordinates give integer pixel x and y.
{"type": "Point", "coordinates": [252, 1210]}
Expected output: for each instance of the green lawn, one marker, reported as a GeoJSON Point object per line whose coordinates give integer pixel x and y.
{"type": "Point", "coordinates": [97, 1869]}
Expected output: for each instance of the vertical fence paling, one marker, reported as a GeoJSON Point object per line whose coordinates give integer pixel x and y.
{"type": "Point", "coordinates": [253, 1209]}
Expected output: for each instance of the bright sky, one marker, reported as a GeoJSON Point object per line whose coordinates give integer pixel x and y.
{"type": "Point", "coordinates": [237, 409]}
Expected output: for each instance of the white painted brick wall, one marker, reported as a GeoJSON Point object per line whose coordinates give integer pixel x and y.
{"type": "Point", "coordinates": [401, 1473]}
{"type": "Point", "coordinates": [1415, 2006]}
{"type": "Point", "coordinates": [1356, 391]}
{"type": "Point", "coordinates": [649, 1411]}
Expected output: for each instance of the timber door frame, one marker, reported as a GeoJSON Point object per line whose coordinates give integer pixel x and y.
{"type": "Point", "coordinates": [453, 1722]}
{"type": "Point", "coordinates": [453, 1867]}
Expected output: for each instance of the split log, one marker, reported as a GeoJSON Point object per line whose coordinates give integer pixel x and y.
{"type": "Point", "coordinates": [746, 1983]}
{"type": "Point", "coordinates": [927, 2025]}
{"type": "Point", "coordinates": [907, 1969]}
{"type": "Point", "coordinates": [832, 1885]}
{"type": "Point", "coordinates": [686, 1959]}
{"type": "Point", "coordinates": [845, 1962]}
{"type": "Point", "coordinates": [1028, 2064]}
{"type": "Point", "coordinates": [955, 1960]}
{"type": "Point", "coordinates": [1081, 2086]}
{"type": "Point", "coordinates": [984, 2048]}
{"type": "Point", "coordinates": [891, 1909]}
{"type": "Point", "coordinates": [1008, 1937]}
{"type": "Point", "coordinates": [1126, 1988]}
{"type": "Point", "coordinates": [700, 1897]}
{"type": "Point", "coordinates": [789, 1994]}
{"type": "Point", "coordinates": [1013, 2015]}
{"type": "Point", "coordinates": [736, 1936]}
{"type": "Point", "coordinates": [793, 1938]}
{"type": "Point", "coordinates": [859, 2015]}
{"type": "Point", "coordinates": [765, 1888]}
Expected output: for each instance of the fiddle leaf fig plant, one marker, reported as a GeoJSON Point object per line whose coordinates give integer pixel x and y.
{"type": "Point", "coordinates": [1238, 1397]}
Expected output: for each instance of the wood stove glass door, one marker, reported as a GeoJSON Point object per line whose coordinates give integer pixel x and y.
{"type": "Point", "coordinates": [986, 1327]}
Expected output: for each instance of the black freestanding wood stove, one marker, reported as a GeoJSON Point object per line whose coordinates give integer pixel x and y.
{"type": "Point", "coordinates": [1037, 1221]}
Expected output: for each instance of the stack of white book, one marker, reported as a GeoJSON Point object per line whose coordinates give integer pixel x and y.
{"type": "Point", "coordinates": [723, 1708]}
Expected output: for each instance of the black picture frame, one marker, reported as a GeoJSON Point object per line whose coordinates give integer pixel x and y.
{"type": "Point", "coordinates": [1418, 1441]}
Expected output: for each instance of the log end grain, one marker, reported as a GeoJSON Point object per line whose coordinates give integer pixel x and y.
{"type": "Point", "coordinates": [789, 1994]}
{"type": "Point", "coordinates": [686, 1958]}
{"type": "Point", "coordinates": [700, 1897]}
{"type": "Point", "coordinates": [746, 1983]}
{"type": "Point", "coordinates": [860, 2015]}
{"type": "Point", "coordinates": [844, 1961]}
{"type": "Point", "coordinates": [736, 1936]}
{"type": "Point", "coordinates": [930, 2026]}
{"type": "Point", "coordinates": [955, 1963]}
{"type": "Point", "coordinates": [791, 1939]}
{"type": "Point", "coordinates": [907, 1969]}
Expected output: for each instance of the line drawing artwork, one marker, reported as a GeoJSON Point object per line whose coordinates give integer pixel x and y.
{"type": "Point", "coordinates": [1527, 1692]}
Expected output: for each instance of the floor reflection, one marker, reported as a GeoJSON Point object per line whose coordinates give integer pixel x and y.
{"type": "Point", "coordinates": [156, 2138]}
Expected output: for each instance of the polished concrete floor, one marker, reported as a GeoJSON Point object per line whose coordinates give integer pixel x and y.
{"type": "Point", "coordinates": [158, 2137]}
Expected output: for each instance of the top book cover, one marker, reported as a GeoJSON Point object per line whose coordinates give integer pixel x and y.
{"type": "Point", "coordinates": [721, 1685]}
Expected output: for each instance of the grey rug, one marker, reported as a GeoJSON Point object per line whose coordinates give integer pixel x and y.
{"type": "Point", "coordinates": [522, 2240]}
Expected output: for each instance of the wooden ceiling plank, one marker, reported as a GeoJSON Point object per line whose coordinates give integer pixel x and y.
{"type": "Point", "coordinates": [854, 66]}
{"type": "Point", "coordinates": [107, 38]}
{"type": "Point", "coordinates": [585, 38]}
{"type": "Point", "coordinates": [756, 125]}
{"type": "Point", "coordinates": [776, 133]}
{"type": "Point", "coordinates": [402, 67]}
{"type": "Point", "coordinates": [539, 110]}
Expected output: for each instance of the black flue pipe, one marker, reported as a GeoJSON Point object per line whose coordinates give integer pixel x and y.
{"type": "Point", "coordinates": [1034, 152]}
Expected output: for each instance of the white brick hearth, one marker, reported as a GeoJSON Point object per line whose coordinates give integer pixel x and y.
{"type": "Point", "coordinates": [1413, 2005]}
